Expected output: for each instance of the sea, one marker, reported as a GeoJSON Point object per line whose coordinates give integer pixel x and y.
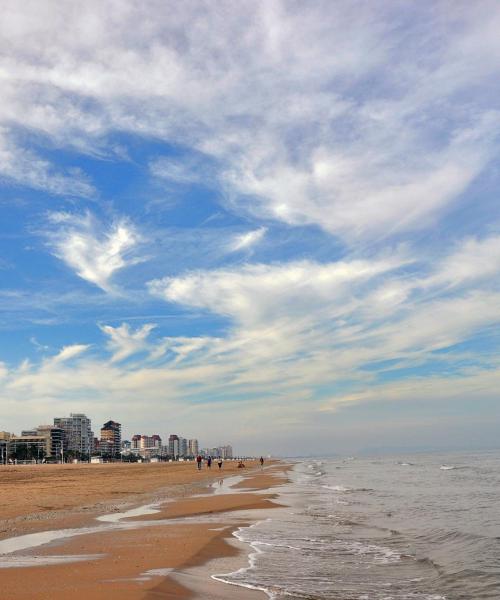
{"type": "Point", "coordinates": [415, 527]}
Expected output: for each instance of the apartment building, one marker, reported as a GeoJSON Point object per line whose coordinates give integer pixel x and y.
{"type": "Point", "coordinates": [146, 445]}
{"type": "Point", "coordinates": [78, 435]}
{"type": "Point", "coordinates": [193, 447]}
{"type": "Point", "coordinates": [111, 438]}
{"type": "Point", "coordinates": [173, 446]}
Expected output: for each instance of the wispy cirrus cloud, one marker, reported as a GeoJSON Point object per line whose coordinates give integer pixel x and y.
{"type": "Point", "coordinates": [187, 170]}
{"type": "Point", "coordinates": [303, 339]}
{"type": "Point", "coordinates": [333, 321]}
{"type": "Point", "coordinates": [124, 342]}
{"type": "Point", "coordinates": [93, 250]}
{"type": "Point", "coordinates": [246, 241]}
{"type": "Point", "coordinates": [21, 166]}
{"type": "Point", "coordinates": [261, 291]}
{"type": "Point", "coordinates": [363, 122]}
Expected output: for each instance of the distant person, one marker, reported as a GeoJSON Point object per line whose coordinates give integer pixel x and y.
{"type": "Point", "coordinates": [198, 460]}
{"type": "Point", "coordinates": [261, 461]}
{"type": "Point", "coordinates": [241, 465]}
{"type": "Point", "coordinates": [209, 462]}
{"type": "Point", "coordinates": [219, 462]}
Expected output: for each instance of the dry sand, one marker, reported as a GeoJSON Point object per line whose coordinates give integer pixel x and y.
{"type": "Point", "coordinates": [49, 497]}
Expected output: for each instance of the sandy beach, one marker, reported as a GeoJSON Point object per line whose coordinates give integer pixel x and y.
{"type": "Point", "coordinates": [112, 553]}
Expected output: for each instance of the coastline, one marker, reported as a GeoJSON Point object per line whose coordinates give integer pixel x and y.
{"type": "Point", "coordinates": [161, 553]}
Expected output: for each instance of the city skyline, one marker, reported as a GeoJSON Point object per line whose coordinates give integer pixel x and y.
{"type": "Point", "coordinates": [275, 222]}
{"type": "Point", "coordinates": [73, 437]}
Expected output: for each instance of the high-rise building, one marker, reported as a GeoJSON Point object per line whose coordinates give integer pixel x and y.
{"type": "Point", "coordinates": [78, 435]}
{"type": "Point", "coordinates": [173, 445]}
{"type": "Point", "coordinates": [183, 447]}
{"type": "Point", "coordinates": [193, 448]}
{"type": "Point", "coordinates": [111, 438]}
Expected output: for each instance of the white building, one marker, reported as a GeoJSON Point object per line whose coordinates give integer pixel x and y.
{"type": "Point", "coordinates": [193, 448]}
{"type": "Point", "coordinates": [78, 435]}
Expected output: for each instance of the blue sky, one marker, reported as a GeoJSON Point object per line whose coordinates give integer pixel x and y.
{"type": "Point", "coordinates": [273, 224]}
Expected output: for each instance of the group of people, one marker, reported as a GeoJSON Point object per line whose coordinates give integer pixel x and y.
{"type": "Point", "coordinates": [199, 461]}
{"type": "Point", "coordinates": [241, 465]}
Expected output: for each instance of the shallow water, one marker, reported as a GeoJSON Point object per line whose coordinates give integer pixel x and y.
{"type": "Point", "coordinates": [421, 527]}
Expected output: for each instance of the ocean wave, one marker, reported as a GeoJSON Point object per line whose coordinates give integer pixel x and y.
{"type": "Point", "coordinates": [271, 545]}
{"type": "Point", "coordinates": [345, 490]}
{"type": "Point", "coordinates": [337, 488]}
{"type": "Point", "coordinates": [379, 554]}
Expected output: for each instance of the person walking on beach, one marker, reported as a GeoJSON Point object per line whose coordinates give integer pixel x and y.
{"type": "Point", "coordinates": [209, 462]}
{"type": "Point", "coordinates": [219, 462]}
{"type": "Point", "coordinates": [261, 462]}
{"type": "Point", "coordinates": [198, 460]}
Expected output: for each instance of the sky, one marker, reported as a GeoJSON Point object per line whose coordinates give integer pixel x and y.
{"type": "Point", "coordinates": [271, 224]}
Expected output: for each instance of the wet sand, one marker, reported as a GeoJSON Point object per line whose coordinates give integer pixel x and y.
{"type": "Point", "coordinates": [185, 531]}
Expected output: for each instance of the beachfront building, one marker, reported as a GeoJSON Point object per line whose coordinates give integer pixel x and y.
{"type": "Point", "coordinates": [183, 447]}
{"type": "Point", "coordinates": [145, 446]}
{"type": "Point", "coordinates": [55, 440]}
{"type": "Point", "coordinates": [135, 443]}
{"type": "Point", "coordinates": [54, 436]}
{"type": "Point", "coordinates": [173, 446]}
{"type": "Point", "coordinates": [193, 448]}
{"type": "Point", "coordinates": [225, 452]}
{"type": "Point", "coordinates": [28, 447]}
{"type": "Point", "coordinates": [111, 438]}
{"type": "Point", "coordinates": [78, 435]}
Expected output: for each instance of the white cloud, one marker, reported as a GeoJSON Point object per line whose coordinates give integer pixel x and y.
{"type": "Point", "coordinates": [94, 252]}
{"type": "Point", "coordinates": [471, 261]}
{"type": "Point", "coordinates": [245, 241]}
{"type": "Point", "coordinates": [257, 293]}
{"type": "Point", "coordinates": [124, 342]}
{"type": "Point", "coordinates": [302, 338]}
{"type": "Point", "coordinates": [68, 352]}
{"type": "Point", "coordinates": [322, 115]}
{"type": "Point", "coordinates": [23, 167]}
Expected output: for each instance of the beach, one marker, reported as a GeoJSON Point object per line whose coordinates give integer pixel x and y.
{"type": "Point", "coordinates": [126, 530]}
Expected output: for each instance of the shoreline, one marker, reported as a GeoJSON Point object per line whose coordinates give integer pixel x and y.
{"type": "Point", "coordinates": [162, 553]}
